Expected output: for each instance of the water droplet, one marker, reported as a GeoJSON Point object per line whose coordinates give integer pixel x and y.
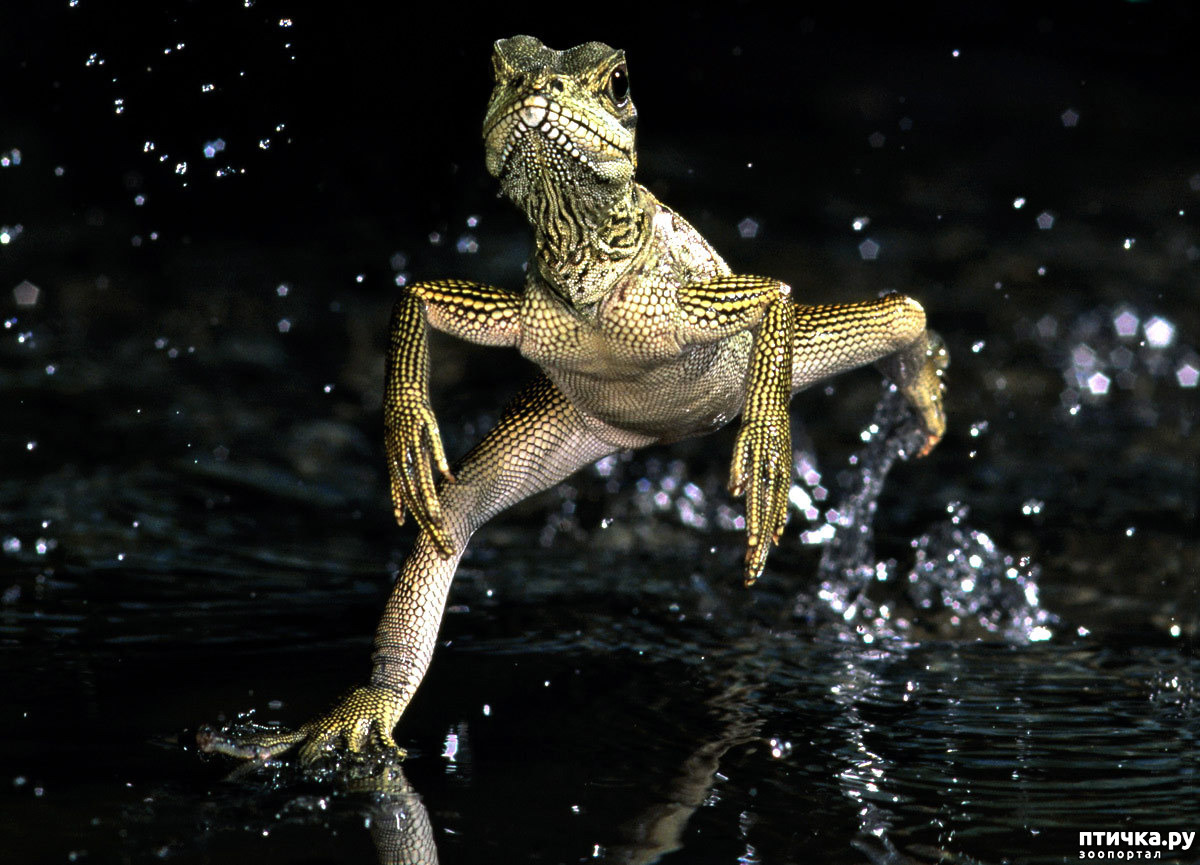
{"type": "Point", "coordinates": [284, 325]}
{"type": "Point", "coordinates": [868, 250]}
{"type": "Point", "coordinates": [1126, 323]}
{"type": "Point", "coordinates": [1018, 203]}
{"type": "Point", "coordinates": [1070, 118]}
{"type": "Point", "coordinates": [212, 148]}
{"type": "Point", "coordinates": [748, 228]}
{"type": "Point", "coordinates": [1129, 242]}
{"type": "Point", "coordinates": [1159, 332]}
{"type": "Point", "coordinates": [860, 222]}
{"type": "Point", "coordinates": [1045, 220]}
{"type": "Point", "coordinates": [1188, 374]}
{"type": "Point", "coordinates": [467, 245]}
{"type": "Point", "coordinates": [1098, 383]}
{"type": "Point", "coordinates": [26, 293]}
{"type": "Point", "coordinates": [1083, 356]}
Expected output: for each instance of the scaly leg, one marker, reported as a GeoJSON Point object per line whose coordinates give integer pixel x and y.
{"type": "Point", "coordinates": [539, 441]}
{"type": "Point", "coordinates": [889, 332]}
{"type": "Point", "coordinates": [762, 452]}
{"type": "Point", "coordinates": [807, 344]}
{"type": "Point", "coordinates": [825, 340]}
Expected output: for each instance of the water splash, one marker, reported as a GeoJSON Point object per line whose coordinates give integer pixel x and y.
{"type": "Point", "coordinates": [960, 580]}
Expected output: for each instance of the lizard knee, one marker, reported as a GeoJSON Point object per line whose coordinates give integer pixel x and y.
{"type": "Point", "coordinates": [907, 320]}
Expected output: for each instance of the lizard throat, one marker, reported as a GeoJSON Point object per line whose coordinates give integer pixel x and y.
{"type": "Point", "coordinates": [581, 253]}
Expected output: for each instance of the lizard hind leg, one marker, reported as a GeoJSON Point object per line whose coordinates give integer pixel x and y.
{"type": "Point", "coordinates": [889, 332]}
{"type": "Point", "coordinates": [539, 440]}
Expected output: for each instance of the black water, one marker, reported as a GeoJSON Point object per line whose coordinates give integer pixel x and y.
{"type": "Point", "coordinates": [194, 518]}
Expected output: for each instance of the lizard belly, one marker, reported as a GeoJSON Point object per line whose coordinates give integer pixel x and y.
{"type": "Point", "coordinates": [697, 391]}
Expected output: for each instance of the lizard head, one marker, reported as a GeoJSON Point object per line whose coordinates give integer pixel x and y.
{"type": "Point", "coordinates": [560, 126]}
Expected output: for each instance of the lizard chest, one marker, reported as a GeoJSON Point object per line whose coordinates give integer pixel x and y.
{"type": "Point", "coordinates": [631, 330]}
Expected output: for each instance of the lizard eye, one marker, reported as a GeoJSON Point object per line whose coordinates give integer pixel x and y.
{"type": "Point", "coordinates": [618, 85]}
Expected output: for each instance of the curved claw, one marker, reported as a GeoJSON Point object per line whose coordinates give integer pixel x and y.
{"type": "Point", "coordinates": [414, 446]}
{"type": "Point", "coordinates": [762, 471]}
{"type": "Point", "coordinates": [362, 720]}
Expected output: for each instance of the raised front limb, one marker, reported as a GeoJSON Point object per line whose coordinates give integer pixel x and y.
{"type": "Point", "coordinates": [539, 440]}
{"type": "Point", "coordinates": [471, 311]}
{"type": "Point", "coordinates": [824, 340]}
{"type": "Point", "coordinates": [762, 453]}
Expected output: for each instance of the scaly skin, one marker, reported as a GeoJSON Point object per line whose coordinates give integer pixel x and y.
{"type": "Point", "coordinates": [643, 335]}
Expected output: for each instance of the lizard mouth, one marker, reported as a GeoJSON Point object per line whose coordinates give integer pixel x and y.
{"type": "Point", "coordinates": [560, 140]}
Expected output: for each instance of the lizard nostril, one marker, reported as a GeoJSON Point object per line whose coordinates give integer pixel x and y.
{"type": "Point", "coordinates": [557, 85]}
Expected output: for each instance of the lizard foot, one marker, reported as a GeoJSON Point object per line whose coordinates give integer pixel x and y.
{"type": "Point", "coordinates": [414, 445]}
{"type": "Point", "coordinates": [927, 393]}
{"type": "Point", "coordinates": [362, 720]}
{"type": "Point", "coordinates": [762, 471]}
{"type": "Point", "coordinates": [918, 372]}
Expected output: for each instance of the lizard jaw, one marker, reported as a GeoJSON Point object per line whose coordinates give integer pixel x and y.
{"type": "Point", "coordinates": [566, 140]}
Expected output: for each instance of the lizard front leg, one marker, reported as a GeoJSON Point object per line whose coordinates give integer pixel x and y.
{"type": "Point", "coordinates": [539, 440]}
{"type": "Point", "coordinates": [762, 453]}
{"type": "Point", "coordinates": [472, 311]}
{"type": "Point", "coordinates": [824, 340]}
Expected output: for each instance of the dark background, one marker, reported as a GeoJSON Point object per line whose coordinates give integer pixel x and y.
{"type": "Point", "coordinates": [193, 505]}
{"type": "Point", "coordinates": [382, 110]}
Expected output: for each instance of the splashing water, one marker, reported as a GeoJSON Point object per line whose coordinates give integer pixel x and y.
{"type": "Point", "coordinates": [961, 580]}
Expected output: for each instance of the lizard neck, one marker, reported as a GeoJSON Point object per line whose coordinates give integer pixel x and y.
{"type": "Point", "coordinates": [583, 245]}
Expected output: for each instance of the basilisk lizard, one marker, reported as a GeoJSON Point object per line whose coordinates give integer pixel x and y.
{"type": "Point", "coordinates": [643, 335]}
